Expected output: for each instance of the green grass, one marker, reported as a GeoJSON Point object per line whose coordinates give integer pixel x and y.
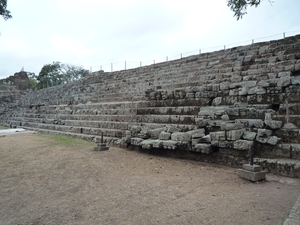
{"type": "Point", "coordinates": [3, 127]}
{"type": "Point", "coordinates": [59, 139]}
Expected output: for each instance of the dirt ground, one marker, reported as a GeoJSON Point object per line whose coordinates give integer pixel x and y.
{"type": "Point", "coordinates": [45, 182]}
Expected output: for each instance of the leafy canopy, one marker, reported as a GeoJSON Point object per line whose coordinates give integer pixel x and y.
{"type": "Point", "coordinates": [239, 7]}
{"type": "Point", "coordinates": [3, 11]}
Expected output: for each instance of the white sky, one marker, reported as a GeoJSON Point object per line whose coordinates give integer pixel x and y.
{"type": "Point", "coordinates": [91, 33]}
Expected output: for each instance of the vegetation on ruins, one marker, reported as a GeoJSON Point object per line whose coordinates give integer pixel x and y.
{"type": "Point", "coordinates": [3, 11]}
{"type": "Point", "coordinates": [239, 7]}
{"type": "Point", "coordinates": [56, 74]}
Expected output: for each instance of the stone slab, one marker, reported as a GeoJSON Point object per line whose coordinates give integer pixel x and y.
{"type": "Point", "coordinates": [101, 147]}
{"type": "Point", "coordinates": [252, 168]}
{"type": "Point", "coordinates": [253, 176]}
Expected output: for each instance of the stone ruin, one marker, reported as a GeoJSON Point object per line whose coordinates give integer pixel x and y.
{"type": "Point", "coordinates": [211, 106]}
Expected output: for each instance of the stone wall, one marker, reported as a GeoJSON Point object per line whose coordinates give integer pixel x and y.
{"type": "Point", "coordinates": [213, 105]}
{"type": "Point", "coordinates": [11, 90]}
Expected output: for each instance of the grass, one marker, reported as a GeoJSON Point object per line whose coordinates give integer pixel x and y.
{"type": "Point", "coordinates": [3, 127]}
{"type": "Point", "coordinates": [59, 139]}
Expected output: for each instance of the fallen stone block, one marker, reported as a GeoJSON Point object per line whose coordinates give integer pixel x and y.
{"type": "Point", "coordinates": [181, 137]}
{"type": "Point", "coordinates": [199, 133]}
{"type": "Point", "coordinates": [154, 134]}
{"type": "Point", "coordinates": [164, 136]}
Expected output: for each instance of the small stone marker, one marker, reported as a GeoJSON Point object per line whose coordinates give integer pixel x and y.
{"type": "Point", "coordinates": [252, 172]}
{"type": "Point", "coordinates": [101, 146]}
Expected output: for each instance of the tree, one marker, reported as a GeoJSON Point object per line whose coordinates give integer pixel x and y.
{"type": "Point", "coordinates": [3, 11]}
{"type": "Point", "coordinates": [57, 73]}
{"type": "Point", "coordinates": [239, 7]}
{"type": "Point", "coordinates": [32, 79]}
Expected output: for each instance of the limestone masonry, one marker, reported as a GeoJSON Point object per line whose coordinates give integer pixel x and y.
{"type": "Point", "coordinates": [213, 106]}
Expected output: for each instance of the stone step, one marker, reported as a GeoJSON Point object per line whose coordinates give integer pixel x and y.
{"type": "Point", "coordinates": [81, 130]}
{"type": "Point", "coordinates": [283, 150]}
{"type": "Point", "coordinates": [284, 167]}
{"type": "Point", "coordinates": [87, 137]}
{"type": "Point", "coordinates": [166, 119]}
{"type": "Point", "coordinates": [288, 135]}
{"type": "Point", "coordinates": [180, 110]}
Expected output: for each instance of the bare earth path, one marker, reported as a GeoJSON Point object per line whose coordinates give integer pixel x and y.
{"type": "Point", "coordinates": [42, 182]}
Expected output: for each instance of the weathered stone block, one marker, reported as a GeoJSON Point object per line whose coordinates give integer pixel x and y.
{"type": "Point", "coordinates": [253, 176]}
{"type": "Point", "coordinates": [154, 133]}
{"type": "Point", "coordinates": [284, 81]}
{"type": "Point", "coordinates": [250, 136]}
{"type": "Point", "coordinates": [199, 133]}
{"type": "Point", "coordinates": [157, 144]}
{"type": "Point", "coordinates": [217, 136]}
{"type": "Point", "coordinates": [203, 148]}
{"type": "Point", "coordinates": [205, 138]}
{"type": "Point", "coordinates": [172, 129]}
{"type": "Point", "coordinates": [253, 168]}
{"type": "Point", "coordinates": [201, 122]}
{"type": "Point", "coordinates": [170, 144]}
{"type": "Point", "coordinates": [231, 126]}
{"type": "Point", "coordinates": [136, 141]}
{"type": "Point", "coordinates": [295, 151]}
{"type": "Point", "coordinates": [224, 144]}
{"type": "Point", "coordinates": [243, 145]}
{"type": "Point", "coordinates": [164, 136]}
{"type": "Point", "coordinates": [257, 90]}
{"type": "Point", "coordinates": [273, 140]}
{"type": "Point", "coordinates": [264, 133]}
{"type": "Point", "coordinates": [181, 137]}
{"type": "Point", "coordinates": [233, 135]}
{"type": "Point", "coordinates": [146, 144]}
{"type": "Point", "coordinates": [251, 123]}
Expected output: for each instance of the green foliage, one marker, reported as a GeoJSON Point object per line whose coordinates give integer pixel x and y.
{"type": "Point", "coordinates": [57, 73]}
{"type": "Point", "coordinates": [32, 79]}
{"type": "Point", "coordinates": [3, 11]}
{"type": "Point", "coordinates": [239, 7]}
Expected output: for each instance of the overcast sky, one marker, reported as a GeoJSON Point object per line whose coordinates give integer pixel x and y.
{"type": "Point", "coordinates": [92, 33]}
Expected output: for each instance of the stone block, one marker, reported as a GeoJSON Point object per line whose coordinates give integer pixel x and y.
{"type": "Point", "coordinates": [295, 80]}
{"type": "Point", "coordinates": [231, 126]}
{"type": "Point", "coordinates": [199, 133]}
{"type": "Point", "coordinates": [225, 144]}
{"type": "Point", "coordinates": [205, 138]}
{"type": "Point", "coordinates": [172, 129]}
{"type": "Point", "coordinates": [233, 135]}
{"type": "Point", "coordinates": [251, 123]}
{"type": "Point", "coordinates": [264, 133]}
{"type": "Point", "coordinates": [201, 122]}
{"type": "Point", "coordinates": [202, 148]}
{"type": "Point", "coordinates": [284, 81]}
{"type": "Point", "coordinates": [258, 90]}
{"type": "Point", "coordinates": [252, 176]}
{"type": "Point", "coordinates": [146, 144]}
{"type": "Point", "coordinates": [157, 144]}
{"type": "Point", "coordinates": [253, 168]}
{"type": "Point", "coordinates": [250, 136]}
{"type": "Point", "coordinates": [181, 137]}
{"type": "Point", "coordinates": [295, 151]}
{"type": "Point", "coordinates": [101, 147]}
{"type": "Point", "coordinates": [164, 136]}
{"type": "Point", "coordinates": [154, 133]}
{"type": "Point", "coordinates": [224, 86]}
{"type": "Point", "coordinates": [218, 136]}
{"type": "Point", "coordinates": [136, 141]}
{"type": "Point", "coordinates": [273, 140]}
{"type": "Point", "coordinates": [243, 145]}
{"type": "Point", "coordinates": [170, 144]}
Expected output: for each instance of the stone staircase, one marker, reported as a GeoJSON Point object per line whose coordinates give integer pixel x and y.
{"type": "Point", "coordinates": [214, 105]}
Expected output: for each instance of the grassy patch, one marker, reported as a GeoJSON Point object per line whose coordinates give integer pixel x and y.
{"type": "Point", "coordinates": [3, 127]}
{"type": "Point", "coordinates": [59, 139]}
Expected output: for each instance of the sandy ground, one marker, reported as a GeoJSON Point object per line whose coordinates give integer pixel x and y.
{"type": "Point", "coordinates": [42, 182]}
